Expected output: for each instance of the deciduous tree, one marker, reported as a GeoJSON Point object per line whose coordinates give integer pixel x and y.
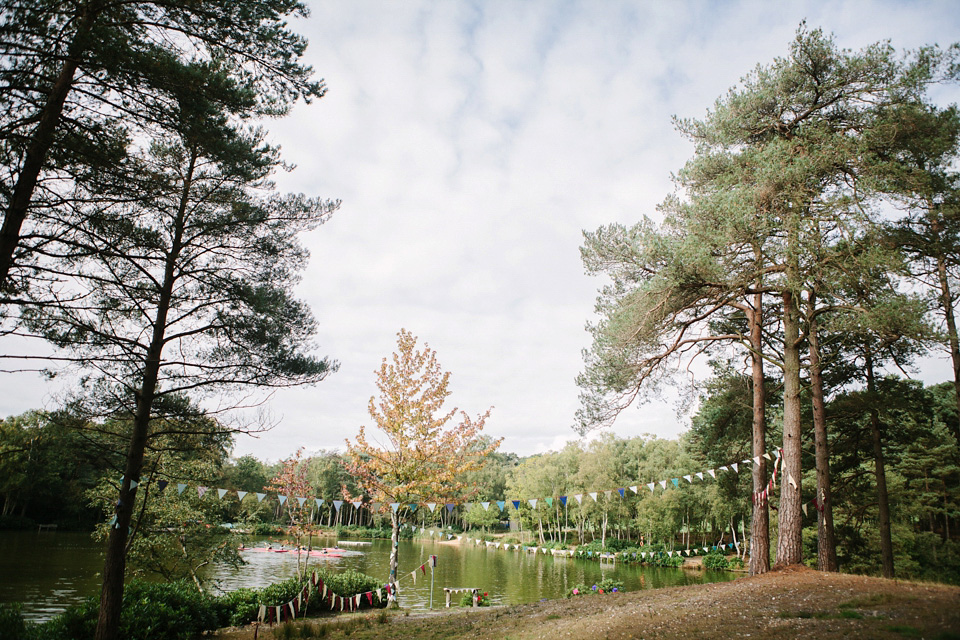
{"type": "Point", "coordinates": [427, 450]}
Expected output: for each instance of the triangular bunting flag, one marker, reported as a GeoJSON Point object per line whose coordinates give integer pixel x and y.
{"type": "Point", "coordinates": [767, 456]}
{"type": "Point", "coordinates": [675, 481]}
{"type": "Point", "coordinates": [804, 507]}
{"type": "Point", "coordinates": [713, 474]}
{"type": "Point", "coordinates": [688, 478]}
{"type": "Point", "coordinates": [282, 500]}
{"type": "Point", "coordinates": [791, 480]}
{"type": "Point", "coordinates": [608, 493]}
{"type": "Point", "coordinates": [501, 504]}
{"type": "Point", "coordinates": [579, 497]}
{"type": "Point", "coordinates": [593, 494]}
{"type": "Point", "coordinates": [319, 502]}
{"type": "Point", "coordinates": [161, 485]}
{"type": "Point", "coordinates": [261, 496]}
{"type": "Point", "coordinates": [756, 460]}
{"type": "Point", "coordinates": [241, 495]}
{"type": "Point", "coordinates": [413, 507]}
{"type": "Point", "coordinates": [516, 504]}
{"type": "Point", "coordinates": [633, 488]}
{"type": "Point", "coordinates": [221, 493]}
{"type": "Point", "coordinates": [621, 492]}
{"type": "Point", "coordinates": [663, 483]}
{"type": "Point", "coordinates": [563, 500]}
{"type": "Point", "coordinates": [486, 506]}
{"type": "Point", "coordinates": [450, 507]}
{"type": "Point", "coordinates": [356, 503]}
{"type": "Point", "coordinates": [724, 468]}
{"type": "Point", "coordinates": [734, 465]}
{"type": "Point", "coordinates": [337, 504]}
{"type": "Point", "coordinates": [549, 501]}
{"type": "Point", "coordinates": [394, 506]}
{"type": "Point", "coordinates": [652, 485]}
{"type": "Point", "coordinates": [300, 500]}
{"type": "Point", "coordinates": [432, 506]}
{"type": "Point", "coordinates": [201, 491]}
{"type": "Point", "coordinates": [699, 474]}
{"type": "Point", "coordinates": [533, 502]}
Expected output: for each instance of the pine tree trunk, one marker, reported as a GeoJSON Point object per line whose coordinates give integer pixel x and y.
{"type": "Point", "coordinates": [114, 566]}
{"type": "Point", "coordinates": [760, 522]}
{"type": "Point", "coordinates": [790, 539]}
{"type": "Point", "coordinates": [826, 541]}
{"type": "Point", "coordinates": [946, 302]}
{"type": "Point", "coordinates": [883, 503]}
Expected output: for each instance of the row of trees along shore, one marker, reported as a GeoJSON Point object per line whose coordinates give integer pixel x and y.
{"type": "Point", "coordinates": [142, 237]}
{"type": "Point", "coordinates": [57, 475]}
{"type": "Point", "coordinates": [811, 244]}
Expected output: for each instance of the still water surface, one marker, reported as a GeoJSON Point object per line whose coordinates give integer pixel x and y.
{"type": "Point", "coordinates": [50, 571]}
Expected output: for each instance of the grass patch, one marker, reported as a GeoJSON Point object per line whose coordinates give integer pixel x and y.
{"type": "Point", "coordinates": [872, 600]}
{"type": "Point", "coordinates": [904, 630]}
{"type": "Point", "coordinates": [553, 616]}
{"type": "Point", "coordinates": [851, 615]}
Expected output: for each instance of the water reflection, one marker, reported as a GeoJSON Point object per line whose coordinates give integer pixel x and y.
{"type": "Point", "coordinates": [50, 571]}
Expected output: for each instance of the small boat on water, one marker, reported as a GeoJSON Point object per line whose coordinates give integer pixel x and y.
{"type": "Point", "coordinates": [325, 552]}
{"type": "Point", "coordinates": [353, 543]}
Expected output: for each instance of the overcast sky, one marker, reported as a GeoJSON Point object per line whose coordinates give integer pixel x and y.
{"type": "Point", "coordinates": [471, 144]}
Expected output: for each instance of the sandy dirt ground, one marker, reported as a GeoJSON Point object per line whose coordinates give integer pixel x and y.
{"type": "Point", "coordinates": [795, 602]}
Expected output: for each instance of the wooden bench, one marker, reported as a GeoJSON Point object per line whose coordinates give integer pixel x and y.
{"type": "Point", "coordinates": [451, 590]}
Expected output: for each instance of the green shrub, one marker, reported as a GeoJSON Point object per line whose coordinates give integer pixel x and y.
{"type": "Point", "coordinates": [11, 620]}
{"type": "Point", "coordinates": [466, 600]}
{"type": "Point", "coordinates": [605, 586]}
{"type": "Point", "coordinates": [715, 560]}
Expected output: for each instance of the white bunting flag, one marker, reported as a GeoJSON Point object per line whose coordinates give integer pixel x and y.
{"type": "Point", "coordinates": [713, 473]}
{"type": "Point", "coordinates": [791, 480]}
{"type": "Point", "coordinates": [432, 506]}
{"type": "Point", "coordinates": [337, 504]}
{"type": "Point", "coordinates": [669, 554]}
{"type": "Point", "coordinates": [319, 502]}
{"type": "Point", "coordinates": [261, 496]}
{"type": "Point", "coordinates": [756, 460]}
{"type": "Point", "coordinates": [804, 507]}
{"type": "Point", "coordinates": [688, 479]}
{"type": "Point", "coordinates": [413, 574]}
{"type": "Point", "coordinates": [394, 506]}
{"type": "Point", "coordinates": [767, 456]}
{"type": "Point", "coordinates": [533, 502]}
{"type": "Point", "coordinates": [687, 551]}
{"type": "Point", "coordinates": [301, 500]}
{"type": "Point", "coordinates": [356, 503]}
{"type": "Point", "coordinates": [609, 493]}
{"type": "Point", "coordinates": [181, 487]}
{"type": "Point", "coordinates": [241, 495]}
{"type": "Point", "coordinates": [651, 485]}
{"type": "Point", "coordinates": [357, 599]}
{"type": "Point", "coordinates": [579, 497]}
{"type": "Point", "coordinates": [724, 468]}
{"type": "Point", "coordinates": [221, 493]}
{"type": "Point", "coordinates": [486, 506]}
{"type": "Point", "coordinates": [663, 483]}
{"type": "Point", "coordinates": [282, 499]}
{"type": "Point", "coordinates": [735, 469]}
{"type": "Point", "coordinates": [700, 474]}
{"type": "Point", "coordinates": [633, 488]}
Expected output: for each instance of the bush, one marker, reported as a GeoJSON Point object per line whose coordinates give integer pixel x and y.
{"type": "Point", "coordinates": [715, 560]}
{"type": "Point", "coordinates": [11, 620]}
{"type": "Point", "coordinates": [605, 586]}
{"type": "Point", "coordinates": [467, 600]}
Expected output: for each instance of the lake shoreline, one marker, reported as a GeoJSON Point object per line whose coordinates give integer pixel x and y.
{"type": "Point", "coordinates": [792, 602]}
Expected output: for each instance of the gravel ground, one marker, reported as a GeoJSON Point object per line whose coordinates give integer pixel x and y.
{"type": "Point", "coordinates": [795, 602]}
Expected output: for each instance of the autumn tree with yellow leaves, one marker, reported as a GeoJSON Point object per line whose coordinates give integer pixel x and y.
{"type": "Point", "coordinates": [427, 450]}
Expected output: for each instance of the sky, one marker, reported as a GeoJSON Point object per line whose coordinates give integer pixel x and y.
{"type": "Point", "coordinates": [471, 144]}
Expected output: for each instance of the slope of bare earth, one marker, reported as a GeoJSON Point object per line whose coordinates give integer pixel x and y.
{"type": "Point", "coordinates": [795, 602]}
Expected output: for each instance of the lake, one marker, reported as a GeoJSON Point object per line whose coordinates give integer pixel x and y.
{"type": "Point", "coordinates": [48, 572]}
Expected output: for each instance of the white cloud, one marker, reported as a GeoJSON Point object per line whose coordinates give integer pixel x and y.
{"type": "Point", "coordinates": [471, 143]}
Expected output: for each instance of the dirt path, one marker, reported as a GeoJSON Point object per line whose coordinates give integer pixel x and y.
{"type": "Point", "coordinates": [792, 603]}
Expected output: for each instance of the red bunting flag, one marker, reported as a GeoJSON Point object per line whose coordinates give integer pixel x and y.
{"type": "Point", "coordinates": [369, 595]}
{"type": "Point", "coordinates": [423, 568]}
